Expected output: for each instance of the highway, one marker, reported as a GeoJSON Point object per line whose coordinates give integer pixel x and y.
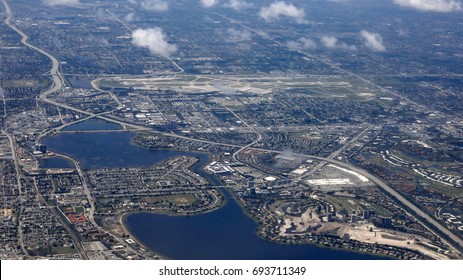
{"type": "Point", "coordinates": [58, 83]}
{"type": "Point", "coordinates": [376, 180]}
{"type": "Point", "coordinates": [18, 182]}
{"type": "Point", "coordinates": [61, 218]}
{"type": "Point", "coordinates": [259, 136]}
{"type": "Point", "coordinates": [57, 77]}
{"type": "Point", "coordinates": [9, 15]}
{"type": "Point", "coordinates": [400, 198]}
{"type": "Point", "coordinates": [91, 201]}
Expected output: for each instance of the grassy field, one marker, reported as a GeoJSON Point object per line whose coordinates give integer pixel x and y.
{"type": "Point", "coordinates": [344, 203]}
{"type": "Point", "coordinates": [380, 210]}
{"type": "Point", "coordinates": [351, 204]}
{"type": "Point", "coordinates": [178, 199]}
{"type": "Point", "coordinates": [40, 83]}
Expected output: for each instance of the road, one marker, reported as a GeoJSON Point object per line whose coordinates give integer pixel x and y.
{"type": "Point", "coordinates": [18, 182]}
{"type": "Point", "coordinates": [91, 201]}
{"type": "Point", "coordinates": [258, 138]}
{"type": "Point", "coordinates": [9, 15]}
{"type": "Point", "coordinates": [399, 197]}
{"type": "Point", "coordinates": [373, 178]}
{"type": "Point", "coordinates": [376, 180]}
{"type": "Point", "coordinates": [58, 83]}
{"type": "Point", "coordinates": [57, 77]}
{"type": "Point", "coordinates": [55, 211]}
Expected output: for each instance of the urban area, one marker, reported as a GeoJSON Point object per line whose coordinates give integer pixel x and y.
{"type": "Point", "coordinates": [331, 123]}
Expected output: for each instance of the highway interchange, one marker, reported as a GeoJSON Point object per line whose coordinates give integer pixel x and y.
{"type": "Point", "coordinates": [59, 83]}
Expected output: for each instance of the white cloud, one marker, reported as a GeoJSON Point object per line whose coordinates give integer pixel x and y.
{"type": "Point", "coordinates": [281, 8]}
{"type": "Point", "coordinates": [153, 39]}
{"type": "Point", "coordinates": [443, 6]}
{"type": "Point", "coordinates": [331, 42]}
{"type": "Point", "coordinates": [373, 41]}
{"type": "Point", "coordinates": [209, 3]}
{"type": "Point", "coordinates": [61, 2]}
{"type": "Point", "coordinates": [238, 5]}
{"type": "Point", "coordinates": [151, 5]}
{"type": "Point", "coordinates": [154, 5]}
{"type": "Point", "coordinates": [239, 35]}
{"type": "Point", "coordinates": [129, 17]}
{"type": "Point", "coordinates": [302, 44]}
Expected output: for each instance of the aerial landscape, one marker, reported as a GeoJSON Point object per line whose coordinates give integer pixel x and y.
{"type": "Point", "coordinates": [231, 129]}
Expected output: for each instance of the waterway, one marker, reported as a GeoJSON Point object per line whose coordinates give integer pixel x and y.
{"type": "Point", "coordinates": [92, 124]}
{"type": "Point", "coordinates": [95, 150]}
{"type": "Point", "coordinates": [226, 233]}
{"type": "Point", "coordinates": [56, 162]}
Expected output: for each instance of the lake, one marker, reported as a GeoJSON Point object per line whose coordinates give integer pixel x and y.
{"type": "Point", "coordinates": [226, 233]}
{"type": "Point", "coordinates": [92, 124]}
{"type": "Point", "coordinates": [223, 234]}
{"type": "Point", "coordinates": [96, 150]}
{"type": "Point", "coordinates": [56, 162]}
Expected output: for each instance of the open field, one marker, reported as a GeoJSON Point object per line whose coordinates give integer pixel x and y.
{"type": "Point", "coordinates": [322, 86]}
{"type": "Point", "coordinates": [178, 199]}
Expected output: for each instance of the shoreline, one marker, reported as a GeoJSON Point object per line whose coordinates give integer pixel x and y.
{"type": "Point", "coordinates": [197, 168]}
{"type": "Point", "coordinates": [122, 223]}
{"type": "Point", "coordinates": [123, 217]}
